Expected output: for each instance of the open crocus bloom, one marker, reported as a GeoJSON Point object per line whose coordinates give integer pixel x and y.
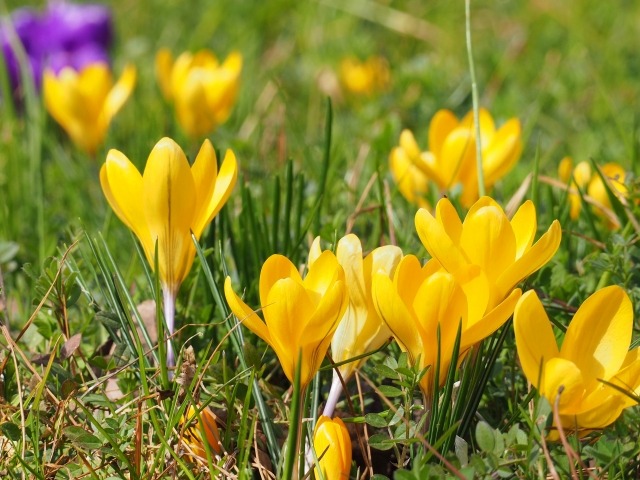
{"type": "Point", "coordinates": [202, 89]}
{"type": "Point", "coordinates": [332, 444]}
{"type": "Point", "coordinates": [451, 158]}
{"type": "Point", "coordinates": [166, 204]}
{"type": "Point", "coordinates": [361, 330]}
{"type": "Point", "coordinates": [84, 102]}
{"type": "Point", "coordinates": [418, 301]}
{"type": "Point", "coordinates": [487, 251]}
{"type": "Point", "coordinates": [300, 316]}
{"type": "Point", "coordinates": [595, 350]}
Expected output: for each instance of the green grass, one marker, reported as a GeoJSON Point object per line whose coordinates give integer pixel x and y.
{"type": "Point", "coordinates": [69, 266]}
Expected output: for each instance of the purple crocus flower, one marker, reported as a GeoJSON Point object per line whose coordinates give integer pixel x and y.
{"type": "Point", "coordinates": [64, 35]}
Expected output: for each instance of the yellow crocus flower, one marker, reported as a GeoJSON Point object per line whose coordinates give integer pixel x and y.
{"type": "Point", "coordinates": [419, 300]}
{"type": "Point", "coordinates": [166, 204]}
{"type": "Point", "coordinates": [202, 89]}
{"type": "Point", "coordinates": [361, 330]}
{"type": "Point", "coordinates": [300, 316]}
{"type": "Point", "coordinates": [85, 102]}
{"type": "Point", "coordinates": [595, 350]}
{"type": "Point", "coordinates": [197, 423]}
{"type": "Point", "coordinates": [332, 444]}
{"type": "Point", "coordinates": [451, 159]}
{"type": "Point", "coordinates": [487, 251]}
{"type": "Point", "coordinates": [364, 77]}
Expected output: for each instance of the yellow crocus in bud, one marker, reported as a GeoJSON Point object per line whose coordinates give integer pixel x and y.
{"type": "Point", "coordinates": [166, 204]}
{"type": "Point", "coordinates": [420, 300]}
{"type": "Point", "coordinates": [84, 102]}
{"type": "Point", "coordinates": [202, 89]}
{"type": "Point", "coordinates": [332, 444]}
{"type": "Point", "coordinates": [196, 423]}
{"type": "Point", "coordinates": [594, 353]}
{"type": "Point", "coordinates": [451, 159]}
{"type": "Point", "coordinates": [412, 183]}
{"type": "Point", "coordinates": [366, 77]}
{"type": "Point", "coordinates": [300, 316]}
{"type": "Point", "coordinates": [487, 251]}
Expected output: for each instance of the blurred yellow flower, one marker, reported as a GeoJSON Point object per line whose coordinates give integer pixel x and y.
{"type": "Point", "coordinates": [412, 183]}
{"type": "Point", "coordinates": [591, 184]}
{"type": "Point", "coordinates": [595, 350]}
{"type": "Point", "coordinates": [300, 316]}
{"type": "Point", "coordinates": [420, 300]}
{"type": "Point", "coordinates": [488, 252]}
{"type": "Point", "coordinates": [84, 102]}
{"type": "Point", "coordinates": [202, 89]}
{"type": "Point", "coordinates": [451, 159]}
{"type": "Point", "coordinates": [332, 444]}
{"type": "Point", "coordinates": [364, 78]}
{"type": "Point", "coordinates": [361, 330]}
{"type": "Point", "coordinates": [167, 203]}
{"type": "Point", "coordinates": [196, 424]}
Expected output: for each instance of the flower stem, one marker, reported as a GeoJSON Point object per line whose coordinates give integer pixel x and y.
{"type": "Point", "coordinates": [474, 97]}
{"type": "Point", "coordinates": [169, 317]}
{"type": "Point", "coordinates": [334, 395]}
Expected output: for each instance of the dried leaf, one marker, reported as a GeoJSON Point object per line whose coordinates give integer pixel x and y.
{"type": "Point", "coordinates": [70, 346]}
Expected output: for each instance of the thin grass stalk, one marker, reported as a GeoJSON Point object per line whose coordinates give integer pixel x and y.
{"type": "Point", "coordinates": [326, 160]}
{"type": "Point", "coordinates": [474, 97]}
{"type": "Point", "coordinates": [288, 199]}
{"type": "Point", "coordinates": [275, 221]}
{"type": "Point", "coordinates": [535, 181]}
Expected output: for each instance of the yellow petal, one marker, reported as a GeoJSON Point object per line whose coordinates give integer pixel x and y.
{"type": "Point", "coordinates": [565, 169]}
{"type": "Point", "coordinates": [448, 217]}
{"type": "Point", "coordinates": [349, 255]}
{"type": "Point", "coordinates": [314, 252]}
{"type": "Point", "coordinates": [562, 377]}
{"type": "Point", "coordinates": [245, 315]}
{"type": "Point", "coordinates": [535, 340]}
{"type": "Point", "coordinates": [409, 145]}
{"type": "Point", "coordinates": [457, 157]}
{"type": "Point", "coordinates": [286, 313]}
{"type": "Point", "coordinates": [123, 187]}
{"type": "Point", "coordinates": [488, 239]}
{"type": "Point", "coordinates": [213, 188]}
{"type": "Point", "coordinates": [582, 173]}
{"type": "Point", "coordinates": [412, 183]}
{"type": "Point", "coordinates": [525, 225]}
{"type": "Point", "coordinates": [442, 123]}
{"type": "Point", "coordinates": [532, 260]}
{"type": "Point", "coordinates": [192, 106]}
{"type": "Point", "coordinates": [482, 328]}
{"type": "Point", "coordinates": [119, 94]}
{"type": "Point", "coordinates": [599, 417]}
{"type": "Point", "coordinates": [325, 271]}
{"type": "Point", "coordinates": [502, 153]}
{"type": "Point", "coordinates": [487, 125]}
{"type": "Point", "coordinates": [169, 204]}
{"type": "Point", "coordinates": [400, 320]}
{"type": "Point", "coordinates": [164, 65]}
{"type": "Point", "coordinates": [438, 243]}
{"type": "Point", "coordinates": [599, 335]}
{"type": "Point", "coordinates": [275, 268]}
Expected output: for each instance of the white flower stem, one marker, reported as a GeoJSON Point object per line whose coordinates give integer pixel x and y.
{"type": "Point", "coordinates": [334, 395]}
{"type": "Point", "coordinates": [169, 318]}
